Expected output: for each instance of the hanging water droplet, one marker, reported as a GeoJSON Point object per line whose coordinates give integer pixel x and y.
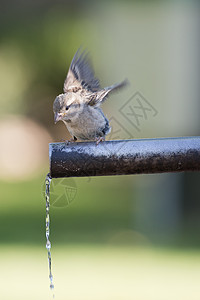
{"type": "Point", "coordinates": [48, 245]}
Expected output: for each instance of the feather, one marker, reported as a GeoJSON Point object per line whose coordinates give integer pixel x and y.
{"type": "Point", "coordinates": [81, 74]}
{"type": "Point", "coordinates": [101, 96]}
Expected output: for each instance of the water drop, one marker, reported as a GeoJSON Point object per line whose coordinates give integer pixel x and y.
{"type": "Point", "coordinates": [48, 245]}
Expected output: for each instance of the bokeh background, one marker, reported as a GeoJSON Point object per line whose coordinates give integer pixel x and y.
{"type": "Point", "coordinates": [128, 237]}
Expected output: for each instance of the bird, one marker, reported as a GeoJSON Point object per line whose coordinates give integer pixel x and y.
{"type": "Point", "coordinates": [79, 106]}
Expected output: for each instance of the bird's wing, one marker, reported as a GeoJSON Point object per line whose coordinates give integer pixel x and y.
{"type": "Point", "coordinates": [81, 74]}
{"type": "Point", "coordinates": [101, 95]}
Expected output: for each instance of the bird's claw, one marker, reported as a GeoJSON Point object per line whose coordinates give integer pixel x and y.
{"type": "Point", "coordinates": [68, 142]}
{"type": "Point", "coordinates": [99, 139]}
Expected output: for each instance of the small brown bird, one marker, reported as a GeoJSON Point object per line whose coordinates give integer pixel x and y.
{"type": "Point", "coordinates": [79, 106]}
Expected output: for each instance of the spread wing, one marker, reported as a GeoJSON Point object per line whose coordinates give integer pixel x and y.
{"type": "Point", "coordinates": [81, 74]}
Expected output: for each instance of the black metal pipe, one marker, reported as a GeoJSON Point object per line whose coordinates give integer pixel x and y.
{"type": "Point", "coordinates": [141, 156]}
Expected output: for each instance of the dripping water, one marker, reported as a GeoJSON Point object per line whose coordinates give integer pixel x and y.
{"type": "Point", "coordinates": [48, 243]}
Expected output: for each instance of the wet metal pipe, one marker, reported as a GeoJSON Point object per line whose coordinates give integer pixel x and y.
{"type": "Point", "coordinates": [143, 156]}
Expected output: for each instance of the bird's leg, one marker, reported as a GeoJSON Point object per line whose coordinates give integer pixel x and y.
{"type": "Point", "coordinates": [100, 139]}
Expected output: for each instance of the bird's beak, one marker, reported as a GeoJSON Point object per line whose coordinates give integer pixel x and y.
{"type": "Point", "coordinates": [57, 117]}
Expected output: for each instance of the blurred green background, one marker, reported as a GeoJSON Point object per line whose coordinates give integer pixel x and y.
{"type": "Point", "coordinates": [128, 237]}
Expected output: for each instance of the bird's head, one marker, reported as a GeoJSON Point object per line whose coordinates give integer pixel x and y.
{"type": "Point", "coordinates": [66, 108]}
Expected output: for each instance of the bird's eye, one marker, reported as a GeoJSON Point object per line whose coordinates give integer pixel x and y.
{"type": "Point", "coordinates": [67, 107]}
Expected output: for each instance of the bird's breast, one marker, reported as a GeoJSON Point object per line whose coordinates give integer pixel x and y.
{"type": "Point", "coordinates": [90, 124]}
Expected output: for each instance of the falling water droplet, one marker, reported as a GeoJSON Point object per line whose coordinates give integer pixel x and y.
{"type": "Point", "coordinates": [48, 243]}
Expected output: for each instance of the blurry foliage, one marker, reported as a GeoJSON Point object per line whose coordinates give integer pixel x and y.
{"type": "Point", "coordinates": [34, 45]}
{"type": "Point", "coordinates": [102, 212]}
{"type": "Point", "coordinates": [95, 215]}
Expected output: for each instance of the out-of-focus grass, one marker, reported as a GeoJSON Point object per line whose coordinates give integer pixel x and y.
{"type": "Point", "coordinates": [96, 272]}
